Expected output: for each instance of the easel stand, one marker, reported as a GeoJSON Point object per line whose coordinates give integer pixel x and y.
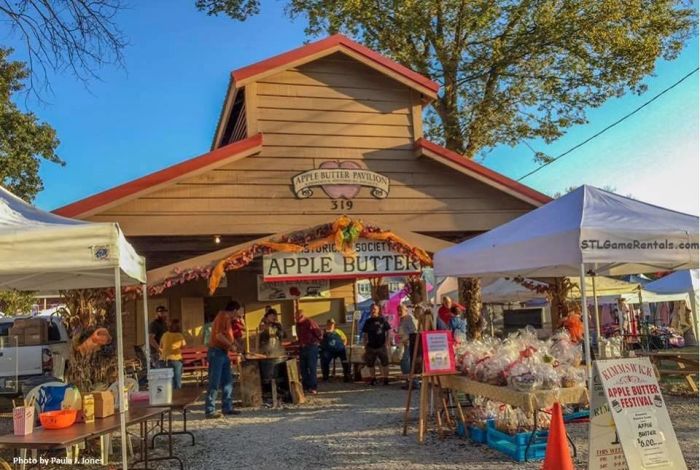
{"type": "Point", "coordinates": [430, 390]}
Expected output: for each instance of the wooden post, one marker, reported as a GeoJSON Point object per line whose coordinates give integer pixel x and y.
{"type": "Point", "coordinates": [426, 324]}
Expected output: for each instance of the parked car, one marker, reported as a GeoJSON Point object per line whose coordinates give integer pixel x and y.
{"type": "Point", "coordinates": [24, 367]}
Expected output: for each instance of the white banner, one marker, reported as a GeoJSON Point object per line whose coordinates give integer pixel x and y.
{"type": "Point", "coordinates": [373, 258]}
{"type": "Point", "coordinates": [310, 289]}
{"type": "Point", "coordinates": [643, 425]}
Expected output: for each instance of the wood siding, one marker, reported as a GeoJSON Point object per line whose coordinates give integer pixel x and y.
{"type": "Point", "coordinates": [332, 109]}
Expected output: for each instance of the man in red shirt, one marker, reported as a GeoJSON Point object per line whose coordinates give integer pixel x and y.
{"type": "Point", "coordinates": [221, 342]}
{"type": "Point", "coordinates": [309, 335]}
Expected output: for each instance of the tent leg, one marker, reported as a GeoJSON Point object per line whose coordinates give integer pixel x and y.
{"type": "Point", "coordinates": [146, 345]}
{"type": "Point", "coordinates": [120, 364]}
{"type": "Point", "coordinates": [586, 332]}
{"type": "Point", "coordinates": [597, 316]}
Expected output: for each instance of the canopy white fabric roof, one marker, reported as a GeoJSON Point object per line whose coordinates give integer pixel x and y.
{"type": "Point", "coordinates": [587, 226]}
{"type": "Point", "coordinates": [680, 281]}
{"type": "Point", "coordinates": [633, 298]}
{"type": "Point", "coordinates": [41, 251]}
{"type": "Point", "coordinates": [504, 291]}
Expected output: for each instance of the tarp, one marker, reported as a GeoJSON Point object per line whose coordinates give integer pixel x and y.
{"type": "Point", "coordinates": [610, 234]}
{"type": "Point", "coordinates": [41, 251]}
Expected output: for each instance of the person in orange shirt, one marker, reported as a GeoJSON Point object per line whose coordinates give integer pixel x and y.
{"type": "Point", "coordinates": [221, 342]}
{"type": "Point", "coordinates": [573, 324]}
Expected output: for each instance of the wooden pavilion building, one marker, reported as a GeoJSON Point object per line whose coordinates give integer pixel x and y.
{"type": "Point", "coordinates": [327, 129]}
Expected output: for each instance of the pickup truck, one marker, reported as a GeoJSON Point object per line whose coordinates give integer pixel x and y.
{"type": "Point", "coordinates": [24, 367]}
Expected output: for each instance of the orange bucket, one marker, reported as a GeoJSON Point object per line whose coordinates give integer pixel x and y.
{"type": "Point", "coordinates": [58, 419]}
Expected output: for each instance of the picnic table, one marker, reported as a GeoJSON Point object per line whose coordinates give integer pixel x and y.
{"type": "Point", "coordinates": [686, 363]}
{"type": "Point", "coordinates": [529, 402]}
{"type": "Point", "coordinates": [69, 438]}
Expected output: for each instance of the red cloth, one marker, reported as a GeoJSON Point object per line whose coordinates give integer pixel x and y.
{"type": "Point", "coordinates": [444, 314]}
{"type": "Point", "coordinates": [308, 332]}
{"type": "Point", "coordinates": [238, 327]}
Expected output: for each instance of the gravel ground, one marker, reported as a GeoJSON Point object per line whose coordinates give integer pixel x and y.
{"type": "Point", "coordinates": [360, 427]}
{"type": "Point", "coordinates": [357, 426]}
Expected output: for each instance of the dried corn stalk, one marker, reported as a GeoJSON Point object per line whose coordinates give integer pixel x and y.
{"type": "Point", "coordinates": [85, 311]}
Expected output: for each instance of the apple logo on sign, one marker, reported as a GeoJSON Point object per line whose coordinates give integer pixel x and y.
{"type": "Point", "coordinates": [337, 191]}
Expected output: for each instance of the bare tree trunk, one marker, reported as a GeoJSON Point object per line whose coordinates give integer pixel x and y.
{"type": "Point", "coordinates": [470, 297]}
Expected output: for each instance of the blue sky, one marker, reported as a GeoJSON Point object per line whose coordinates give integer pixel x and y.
{"type": "Point", "coordinates": [162, 109]}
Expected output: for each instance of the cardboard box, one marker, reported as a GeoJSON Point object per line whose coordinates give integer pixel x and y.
{"type": "Point", "coordinates": [33, 340]}
{"type": "Point", "coordinates": [104, 404]}
{"type": "Point", "coordinates": [87, 414]}
{"type": "Point", "coordinates": [29, 323]}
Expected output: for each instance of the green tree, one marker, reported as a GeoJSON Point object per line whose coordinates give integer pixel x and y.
{"type": "Point", "coordinates": [510, 70]}
{"type": "Point", "coordinates": [14, 302]}
{"type": "Point", "coordinates": [24, 140]}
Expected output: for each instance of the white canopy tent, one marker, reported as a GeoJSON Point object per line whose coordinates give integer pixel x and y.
{"type": "Point", "coordinates": [41, 251]}
{"type": "Point", "coordinates": [678, 283]}
{"type": "Point", "coordinates": [588, 231]}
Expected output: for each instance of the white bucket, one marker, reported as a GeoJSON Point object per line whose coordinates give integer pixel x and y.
{"type": "Point", "coordinates": [160, 386]}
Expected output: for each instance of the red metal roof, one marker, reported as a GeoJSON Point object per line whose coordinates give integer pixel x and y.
{"type": "Point", "coordinates": [482, 171]}
{"type": "Point", "coordinates": [159, 177]}
{"type": "Point", "coordinates": [328, 43]}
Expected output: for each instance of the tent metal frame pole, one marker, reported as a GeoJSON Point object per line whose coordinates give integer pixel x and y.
{"type": "Point", "coordinates": [586, 331]}
{"type": "Point", "coordinates": [146, 344]}
{"type": "Point", "coordinates": [597, 316]}
{"type": "Point", "coordinates": [120, 365]}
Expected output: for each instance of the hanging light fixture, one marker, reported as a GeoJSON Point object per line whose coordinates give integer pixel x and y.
{"type": "Point", "coordinates": [217, 239]}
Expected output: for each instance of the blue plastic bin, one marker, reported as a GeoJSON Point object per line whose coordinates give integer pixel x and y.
{"type": "Point", "coordinates": [514, 445]}
{"type": "Point", "coordinates": [517, 451]}
{"type": "Point", "coordinates": [479, 435]}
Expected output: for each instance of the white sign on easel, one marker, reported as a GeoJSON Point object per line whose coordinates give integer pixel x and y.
{"type": "Point", "coordinates": [633, 397]}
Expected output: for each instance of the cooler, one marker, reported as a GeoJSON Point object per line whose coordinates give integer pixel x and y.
{"type": "Point", "coordinates": [160, 386]}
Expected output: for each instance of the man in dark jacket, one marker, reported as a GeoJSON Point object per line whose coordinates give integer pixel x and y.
{"type": "Point", "coordinates": [376, 338]}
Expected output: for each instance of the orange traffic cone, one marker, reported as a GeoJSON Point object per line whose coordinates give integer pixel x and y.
{"type": "Point", "coordinates": [557, 456]}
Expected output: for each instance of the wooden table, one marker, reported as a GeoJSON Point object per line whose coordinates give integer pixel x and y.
{"type": "Point", "coordinates": [687, 363]}
{"type": "Point", "coordinates": [51, 439]}
{"type": "Point", "coordinates": [529, 402]}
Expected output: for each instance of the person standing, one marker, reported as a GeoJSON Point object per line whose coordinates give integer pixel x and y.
{"type": "Point", "coordinates": [269, 343]}
{"type": "Point", "coordinates": [171, 344]}
{"type": "Point", "coordinates": [458, 325]}
{"type": "Point", "coordinates": [156, 330]}
{"type": "Point", "coordinates": [309, 335]}
{"type": "Point", "coordinates": [444, 313]}
{"type": "Point", "coordinates": [376, 339]}
{"type": "Point", "coordinates": [220, 343]}
{"type": "Point", "coordinates": [332, 346]}
{"type": "Point", "coordinates": [408, 327]}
